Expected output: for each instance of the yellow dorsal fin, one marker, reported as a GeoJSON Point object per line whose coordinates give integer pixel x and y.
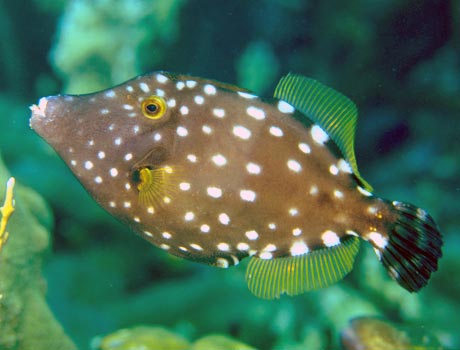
{"type": "Point", "coordinates": [293, 275]}
{"type": "Point", "coordinates": [332, 111]}
{"type": "Point", "coordinates": [156, 186]}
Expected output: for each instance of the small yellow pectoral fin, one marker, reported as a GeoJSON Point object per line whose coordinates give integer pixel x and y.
{"type": "Point", "coordinates": [156, 186]}
{"type": "Point", "coordinates": [268, 279]}
{"type": "Point", "coordinates": [6, 210]}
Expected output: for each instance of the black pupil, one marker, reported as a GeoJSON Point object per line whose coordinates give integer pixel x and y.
{"type": "Point", "coordinates": [152, 108]}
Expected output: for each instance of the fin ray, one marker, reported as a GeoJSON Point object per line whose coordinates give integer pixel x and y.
{"type": "Point", "coordinates": [268, 279]}
{"type": "Point", "coordinates": [331, 110]}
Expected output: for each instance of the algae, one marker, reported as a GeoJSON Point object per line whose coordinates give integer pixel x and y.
{"type": "Point", "coordinates": [25, 318]}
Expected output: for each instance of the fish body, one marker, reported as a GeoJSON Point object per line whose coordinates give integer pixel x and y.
{"type": "Point", "coordinates": [213, 173]}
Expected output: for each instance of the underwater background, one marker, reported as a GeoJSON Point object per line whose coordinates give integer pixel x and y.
{"type": "Point", "coordinates": [71, 276]}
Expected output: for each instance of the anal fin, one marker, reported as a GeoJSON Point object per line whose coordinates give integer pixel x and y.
{"type": "Point", "coordinates": [293, 275]}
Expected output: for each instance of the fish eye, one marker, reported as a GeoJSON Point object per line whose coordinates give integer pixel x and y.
{"type": "Point", "coordinates": [154, 107]}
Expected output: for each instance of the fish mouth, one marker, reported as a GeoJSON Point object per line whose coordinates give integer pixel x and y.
{"type": "Point", "coordinates": [43, 119]}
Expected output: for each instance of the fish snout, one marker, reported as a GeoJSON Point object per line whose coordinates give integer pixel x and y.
{"type": "Point", "coordinates": [46, 115]}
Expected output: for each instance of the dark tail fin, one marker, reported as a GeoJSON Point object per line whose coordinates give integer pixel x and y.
{"type": "Point", "coordinates": [414, 247]}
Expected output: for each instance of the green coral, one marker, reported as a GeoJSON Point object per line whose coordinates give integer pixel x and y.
{"type": "Point", "coordinates": [156, 337]}
{"type": "Point", "coordinates": [102, 43]}
{"type": "Point", "coordinates": [26, 321]}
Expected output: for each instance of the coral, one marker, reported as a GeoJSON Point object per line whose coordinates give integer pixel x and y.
{"type": "Point", "coordinates": [156, 337]}
{"type": "Point", "coordinates": [26, 322]}
{"type": "Point", "coordinates": [102, 43]}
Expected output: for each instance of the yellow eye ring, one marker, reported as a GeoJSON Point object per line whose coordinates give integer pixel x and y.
{"type": "Point", "coordinates": [154, 107]}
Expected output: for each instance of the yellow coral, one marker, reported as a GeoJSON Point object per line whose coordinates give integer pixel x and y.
{"type": "Point", "coordinates": [6, 210]}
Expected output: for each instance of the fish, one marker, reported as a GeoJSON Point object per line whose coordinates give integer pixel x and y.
{"type": "Point", "coordinates": [213, 173]}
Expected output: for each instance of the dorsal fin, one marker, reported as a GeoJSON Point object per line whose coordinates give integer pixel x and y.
{"type": "Point", "coordinates": [293, 275]}
{"type": "Point", "coordinates": [332, 111]}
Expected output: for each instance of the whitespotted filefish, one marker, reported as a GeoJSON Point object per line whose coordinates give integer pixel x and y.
{"type": "Point", "coordinates": [213, 173]}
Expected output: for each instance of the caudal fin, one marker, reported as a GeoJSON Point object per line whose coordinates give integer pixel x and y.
{"type": "Point", "coordinates": [414, 247]}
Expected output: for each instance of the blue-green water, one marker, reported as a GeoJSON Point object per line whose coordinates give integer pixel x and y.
{"type": "Point", "coordinates": [398, 61]}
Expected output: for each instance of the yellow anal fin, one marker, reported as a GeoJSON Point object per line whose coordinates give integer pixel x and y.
{"type": "Point", "coordinates": [156, 186]}
{"type": "Point", "coordinates": [293, 275]}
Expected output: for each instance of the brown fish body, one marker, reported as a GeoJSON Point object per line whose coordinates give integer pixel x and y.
{"type": "Point", "coordinates": [220, 174]}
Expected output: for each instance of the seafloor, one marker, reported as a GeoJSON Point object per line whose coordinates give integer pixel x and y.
{"type": "Point", "coordinates": [70, 274]}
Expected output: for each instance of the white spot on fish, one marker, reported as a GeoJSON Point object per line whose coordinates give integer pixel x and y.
{"type": "Point", "coordinates": [294, 165]}
{"type": "Point", "coordinates": [110, 94]}
{"type": "Point", "coordinates": [363, 191]}
{"type": "Point", "coordinates": [180, 85]}
{"type": "Point", "coordinates": [313, 190]}
{"type": "Point", "coordinates": [344, 166]}
{"type": "Point", "coordinates": [241, 132]}
{"type": "Point", "coordinates": [127, 204]}
{"type": "Point", "coordinates": [272, 226]}
{"type": "Point", "coordinates": [333, 170]}
{"type": "Point", "coordinates": [162, 78]}
{"type": "Point", "coordinates": [98, 179]}
{"type": "Point", "coordinates": [148, 233]}
{"type": "Point", "coordinates": [112, 204]}
{"type": "Point", "coordinates": [276, 131]}
{"type": "Point", "coordinates": [113, 172]}
{"type": "Point", "coordinates": [319, 135]}
{"type": "Point", "coordinates": [224, 247]}
{"type": "Point", "coordinates": [129, 88]}
{"type": "Point", "coordinates": [378, 239]}
{"type": "Point", "coordinates": [151, 210]}
{"type": "Point", "coordinates": [330, 238]}
{"type": "Point", "coordinates": [184, 110]}
{"type": "Point", "coordinates": [242, 246]}
{"type": "Point", "coordinates": [184, 186]}
{"type": "Point", "coordinates": [205, 228]}
{"type": "Point", "coordinates": [190, 84]}
{"type": "Point", "coordinates": [224, 219]}
{"type": "Point", "coordinates": [164, 246]}
{"type": "Point", "coordinates": [293, 211]}
{"type": "Point", "coordinates": [157, 137]}
{"type": "Point", "coordinates": [171, 103]}
{"type": "Point", "coordinates": [285, 107]}
{"type": "Point", "coordinates": [192, 158]}
{"type": "Point", "coordinates": [246, 95]}
{"type": "Point", "coordinates": [128, 107]}
{"type": "Point", "coordinates": [266, 255]}
{"type": "Point", "coordinates": [255, 113]}
{"type": "Point", "coordinates": [127, 186]}
{"type": "Point", "coordinates": [209, 89]}
{"type": "Point", "coordinates": [298, 248]}
{"type": "Point", "coordinates": [253, 168]}
{"type": "Point", "coordinates": [104, 111]}
{"type": "Point", "coordinates": [338, 194]}
{"type": "Point", "coordinates": [206, 129]}
{"type": "Point", "coordinates": [117, 141]}
{"type": "Point", "coordinates": [296, 231]}
{"type": "Point", "coordinates": [269, 248]}
{"type": "Point", "coordinates": [160, 92]}
{"type": "Point", "coordinates": [89, 165]}
{"type": "Point", "coordinates": [219, 160]}
{"type": "Point", "coordinates": [252, 235]}
{"type": "Point", "coordinates": [144, 87]}
{"type": "Point", "coordinates": [73, 162]}
{"type": "Point", "coordinates": [166, 235]}
{"type": "Point", "coordinates": [218, 112]}
{"type": "Point", "coordinates": [248, 195]}
{"type": "Point", "coordinates": [101, 154]}
{"type": "Point", "coordinates": [181, 131]}
{"type": "Point", "coordinates": [304, 148]}
{"type": "Point", "coordinates": [196, 246]}
{"type": "Point", "coordinates": [199, 100]}
{"type": "Point", "coordinates": [128, 156]}
{"type": "Point", "coordinates": [189, 216]}
{"type": "Point", "coordinates": [214, 192]}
